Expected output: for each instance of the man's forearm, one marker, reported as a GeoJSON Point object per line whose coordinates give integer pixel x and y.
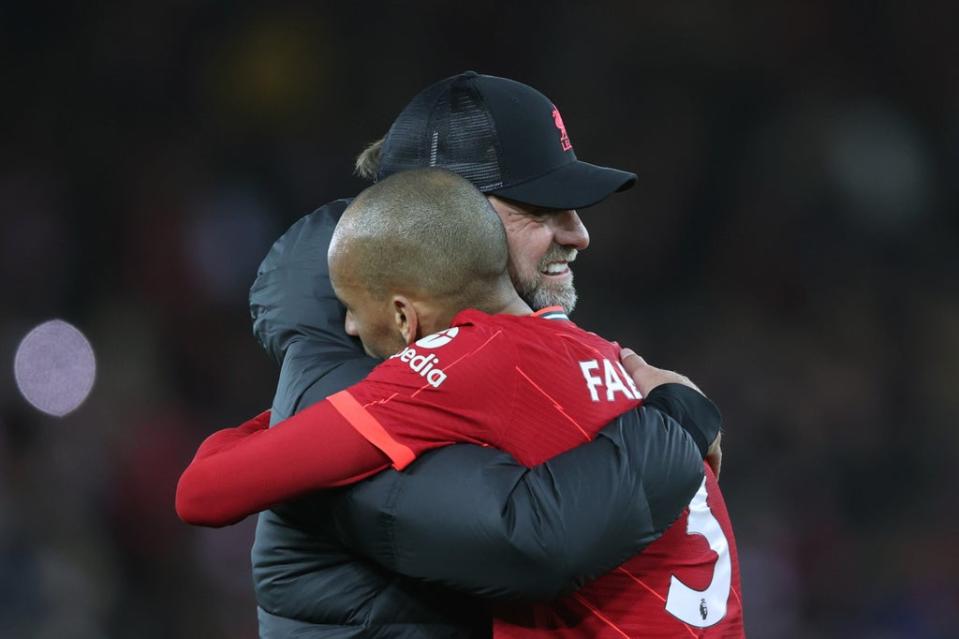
{"type": "Point", "coordinates": [243, 470]}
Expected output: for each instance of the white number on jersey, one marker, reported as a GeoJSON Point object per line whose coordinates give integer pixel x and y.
{"type": "Point", "coordinates": [702, 608]}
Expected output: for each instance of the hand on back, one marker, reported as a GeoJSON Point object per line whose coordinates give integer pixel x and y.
{"type": "Point", "coordinates": [648, 377]}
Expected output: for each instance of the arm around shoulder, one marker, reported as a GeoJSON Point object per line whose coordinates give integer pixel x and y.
{"type": "Point", "coordinates": [474, 519]}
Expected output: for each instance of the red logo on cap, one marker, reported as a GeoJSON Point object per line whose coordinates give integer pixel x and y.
{"type": "Point", "coordinates": [563, 136]}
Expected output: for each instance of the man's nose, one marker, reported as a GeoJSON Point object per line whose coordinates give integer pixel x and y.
{"type": "Point", "coordinates": [349, 325]}
{"type": "Point", "coordinates": [569, 231]}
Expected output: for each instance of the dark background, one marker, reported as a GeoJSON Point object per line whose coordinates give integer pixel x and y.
{"type": "Point", "coordinates": [791, 245]}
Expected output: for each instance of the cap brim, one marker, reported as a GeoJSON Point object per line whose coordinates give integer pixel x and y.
{"type": "Point", "coordinates": [577, 185]}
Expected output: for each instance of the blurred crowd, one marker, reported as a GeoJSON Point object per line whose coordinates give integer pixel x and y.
{"type": "Point", "coordinates": [791, 245]}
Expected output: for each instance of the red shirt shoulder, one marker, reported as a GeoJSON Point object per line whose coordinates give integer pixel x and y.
{"type": "Point", "coordinates": [527, 385]}
{"type": "Point", "coordinates": [570, 384]}
{"type": "Point", "coordinates": [453, 386]}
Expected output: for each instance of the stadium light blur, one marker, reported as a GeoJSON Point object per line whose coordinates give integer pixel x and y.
{"type": "Point", "coordinates": [55, 367]}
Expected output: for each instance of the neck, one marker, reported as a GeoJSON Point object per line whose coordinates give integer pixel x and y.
{"type": "Point", "coordinates": [513, 306]}
{"type": "Point", "coordinates": [506, 301]}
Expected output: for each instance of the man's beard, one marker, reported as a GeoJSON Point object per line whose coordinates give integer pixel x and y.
{"type": "Point", "coordinates": [539, 293]}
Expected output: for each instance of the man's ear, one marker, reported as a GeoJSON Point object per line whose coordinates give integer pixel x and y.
{"type": "Point", "coordinates": [406, 319]}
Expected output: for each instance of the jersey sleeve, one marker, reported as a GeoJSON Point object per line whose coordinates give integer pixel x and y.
{"type": "Point", "coordinates": [451, 387]}
{"type": "Point", "coordinates": [423, 398]}
{"type": "Point", "coordinates": [239, 471]}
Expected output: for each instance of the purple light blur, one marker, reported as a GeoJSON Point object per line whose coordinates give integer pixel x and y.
{"type": "Point", "coordinates": [55, 367]}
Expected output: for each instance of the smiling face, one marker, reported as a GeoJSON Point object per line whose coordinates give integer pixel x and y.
{"type": "Point", "coordinates": [542, 244]}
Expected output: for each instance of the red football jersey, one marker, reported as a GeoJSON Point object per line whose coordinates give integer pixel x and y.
{"type": "Point", "coordinates": [535, 388]}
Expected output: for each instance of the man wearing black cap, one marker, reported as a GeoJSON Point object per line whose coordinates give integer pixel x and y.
{"type": "Point", "coordinates": [510, 141]}
{"type": "Point", "coordinates": [465, 517]}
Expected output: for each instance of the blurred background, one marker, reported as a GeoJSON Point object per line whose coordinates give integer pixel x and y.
{"type": "Point", "coordinates": [791, 246]}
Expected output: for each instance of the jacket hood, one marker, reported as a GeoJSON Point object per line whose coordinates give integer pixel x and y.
{"type": "Point", "coordinates": [292, 298]}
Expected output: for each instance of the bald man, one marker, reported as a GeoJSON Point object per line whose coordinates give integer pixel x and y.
{"type": "Point", "coordinates": [417, 248]}
{"type": "Point", "coordinates": [408, 258]}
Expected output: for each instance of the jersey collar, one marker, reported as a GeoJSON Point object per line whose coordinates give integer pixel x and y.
{"type": "Point", "coordinates": [551, 313]}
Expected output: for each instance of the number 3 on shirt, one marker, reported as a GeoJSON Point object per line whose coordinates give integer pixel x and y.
{"type": "Point", "coordinates": [702, 608]}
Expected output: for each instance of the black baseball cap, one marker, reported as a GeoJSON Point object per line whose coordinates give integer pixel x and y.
{"type": "Point", "coordinates": [505, 137]}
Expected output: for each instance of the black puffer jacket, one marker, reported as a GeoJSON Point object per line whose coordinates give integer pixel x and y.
{"type": "Point", "coordinates": [461, 521]}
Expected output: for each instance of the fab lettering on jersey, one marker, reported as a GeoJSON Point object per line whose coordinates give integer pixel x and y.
{"type": "Point", "coordinates": [610, 377]}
